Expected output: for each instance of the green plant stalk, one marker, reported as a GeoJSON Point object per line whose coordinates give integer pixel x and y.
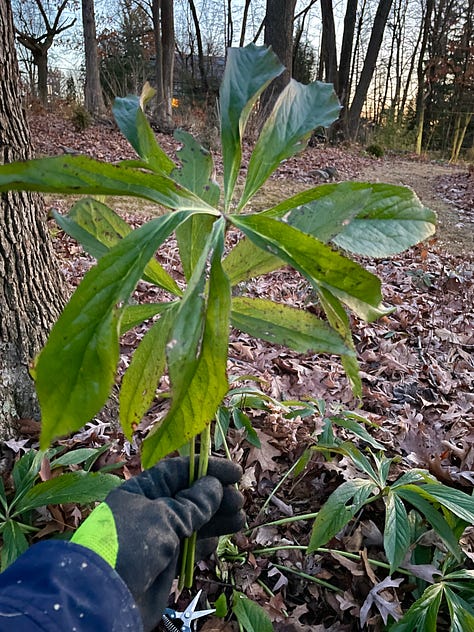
{"type": "Point", "coordinates": [274, 523]}
{"type": "Point", "coordinates": [346, 554]}
{"type": "Point", "coordinates": [310, 578]}
{"type": "Point", "coordinates": [187, 544]}
{"type": "Point", "coordinates": [277, 487]}
{"type": "Point", "coordinates": [189, 552]}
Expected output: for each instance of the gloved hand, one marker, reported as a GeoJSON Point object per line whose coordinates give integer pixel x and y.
{"type": "Point", "coordinates": [139, 527]}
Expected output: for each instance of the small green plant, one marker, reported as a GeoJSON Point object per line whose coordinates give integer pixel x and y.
{"type": "Point", "coordinates": [26, 493]}
{"type": "Point", "coordinates": [375, 150]}
{"type": "Point", "coordinates": [432, 505]}
{"type": "Point", "coordinates": [80, 117]}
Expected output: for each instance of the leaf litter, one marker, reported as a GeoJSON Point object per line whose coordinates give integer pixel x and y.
{"type": "Point", "coordinates": [417, 367]}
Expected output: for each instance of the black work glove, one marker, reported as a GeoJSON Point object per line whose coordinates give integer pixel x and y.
{"type": "Point", "coordinates": [140, 526]}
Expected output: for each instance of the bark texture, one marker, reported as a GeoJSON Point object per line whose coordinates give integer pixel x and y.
{"type": "Point", "coordinates": [31, 287]}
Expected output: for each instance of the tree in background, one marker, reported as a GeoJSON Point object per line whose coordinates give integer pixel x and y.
{"type": "Point", "coordinates": [279, 17]}
{"type": "Point", "coordinates": [31, 293]}
{"type": "Point", "coordinates": [126, 52]}
{"type": "Point", "coordinates": [163, 28]}
{"type": "Point", "coordinates": [39, 22]}
{"type": "Point", "coordinates": [93, 98]}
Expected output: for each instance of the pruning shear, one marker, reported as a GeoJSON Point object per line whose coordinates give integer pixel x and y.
{"type": "Point", "coordinates": [175, 621]}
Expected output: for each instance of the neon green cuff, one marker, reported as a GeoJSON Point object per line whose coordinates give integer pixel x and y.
{"type": "Point", "coordinates": [99, 533]}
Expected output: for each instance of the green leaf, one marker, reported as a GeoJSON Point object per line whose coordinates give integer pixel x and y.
{"type": "Point", "coordinates": [249, 614]}
{"type": "Point", "coordinates": [285, 325]}
{"type": "Point", "coordinates": [389, 218]}
{"type": "Point", "coordinates": [339, 321]}
{"type": "Point", "coordinates": [141, 379]}
{"type": "Point", "coordinates": [423, 614]}
{"type": "Point", "coordinates": [297, 112]}
{"type": "Point", "coordinates": [192, 236]}
{"type": "Point", "coordinates": [73, 457]}
{"type": "Point", "coordinates": [247, 73]}
{"type": "Point", "coordinates": [185, 337]}
{"type": "Point", "coordinates": [327, 216]}
{"type": "Point", "coordinates": [336, 513]}
{"type": "Point", "coordinates": [411, 493]}
{"type": "Point", "coordinates": [134, 126]}
{"type": "Point", "coordinates": [107, 229]}
{"type": "Point", "coordinates": [26, 469]}
{"type": "Point", "coordinates": [83, 175]}
{"type": "Point", "coordinates": [76, 368]}
{"type": "Point", "coordinates": [71, 487]}
{"type": "Point", "coordinates": [241, 420]}
{"type": "Point", "coordinates": [321, 265]}
{"type": "Point", "coordinates": [391, 222]}
{"type": "Point", "coordinates": [247, 260]}
{"type": "Point", "coordinates": [197, 169]}
{"type": "Point", "coordinates": [457, 502]}
{"type": "Point", "coordinates": [361, 461]}
{"type": "Point", "coordinates": [197, 175]}
{"type": "Point", "coordinates": [358, 430]}
{"type": "Point", "coordinates": [462, 614]}
{"type": "Point", "coordinates": [195, 406]}
{"type": "Point", "coordinates": [414, 475]}
{"type": "Point", "coordinates": [14, 543]}
{"type": "Point", "coordinates": [134, 315]}
{"type": "Point", "coordinates": [396, 536]}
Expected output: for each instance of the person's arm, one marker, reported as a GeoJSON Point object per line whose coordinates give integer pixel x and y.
{"type": "Point", "coordinates": [131, 543]}
{"type": "Point", "coordinates": [58, 586]}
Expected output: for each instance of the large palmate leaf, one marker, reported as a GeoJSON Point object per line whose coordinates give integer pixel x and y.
{"type": "Point", "coordinates": [297, 112]}
{"type": "Point", "coordinates": [194, 406]}
{"type": "Point", "coordinates": [285, 325]}
{"type": "Point", "coordinates": [248, 71]}
{"type": "Point", "coordinates": [76, 368]}
{"type": "Point", "coordinates": [129, 116]}
{"type": "Point", "coordinates": [95, 225]}
{"type": "Point", "coordinates": [356, 287]}
{"type": "Point", "coordinates": [83, 175]}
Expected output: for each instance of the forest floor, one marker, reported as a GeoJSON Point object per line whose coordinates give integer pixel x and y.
{"type": "Point", "coordinates": [417, 368]}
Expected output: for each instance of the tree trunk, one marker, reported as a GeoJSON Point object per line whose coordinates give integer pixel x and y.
{"type": "Point", "coordinates": [41, 60]}
{"type": "Point", "coordinates": [346, 51]}
{"type": "Point", "coordinates": [420, 95]}
{"type": "Point", "coordinates": [202, 69]}
{"type": "Point", "coordinates": [31, 290]}
{"type": "Point", "coordinates": [279, 35]}
{"type": "Point", "coordinates": [329, 48]}
{"type": "Point", "coordinates": [93, 98]}
{"type": "Point", "coordinates": [163, 26]}
{"type": "Point", "coordinates": [368, 68]}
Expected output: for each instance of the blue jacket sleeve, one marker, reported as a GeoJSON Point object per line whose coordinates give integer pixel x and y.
{"type": "Point", "coordinates": [59, 586]}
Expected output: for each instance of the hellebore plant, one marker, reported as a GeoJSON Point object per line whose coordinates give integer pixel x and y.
{"type": "Point", "coordinates": [76, 369]}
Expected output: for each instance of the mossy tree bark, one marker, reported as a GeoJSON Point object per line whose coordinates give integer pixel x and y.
{"type": "Point", "coordinates": [31, 286]}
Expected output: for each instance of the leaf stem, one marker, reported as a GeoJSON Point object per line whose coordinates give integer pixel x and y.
{"type": "Point", "coordinates": [310, 578]}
